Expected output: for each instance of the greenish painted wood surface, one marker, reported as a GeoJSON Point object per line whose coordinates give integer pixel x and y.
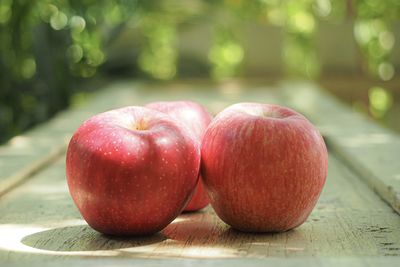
{"type": "Point", "coordinates": [370, 150]}
{"type": "Point", "coordinates": [39, 224]}
{"type": "Point", "coordinates": [26, 154]}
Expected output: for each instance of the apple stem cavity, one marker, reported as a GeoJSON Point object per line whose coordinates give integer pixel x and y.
{"type": "Point", "coordinates": [141, 125]}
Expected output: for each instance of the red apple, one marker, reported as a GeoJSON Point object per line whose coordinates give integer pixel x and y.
{"type": "Point", "coordinates": [196, 118]}
{"type": "Point", "coordinates": [132, 170]}
{"type": "Point", "coordinates": [264, 167]}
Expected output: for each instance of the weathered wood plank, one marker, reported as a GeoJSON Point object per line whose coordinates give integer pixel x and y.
{"type": "Point", "coordinates": [370, 150]}
{"type": "Point", "coordinates": [39, 223]}
{"type": "Point", "coordinates": [26, 154]}
{"type": "Point", "coordinates": [273, 262]}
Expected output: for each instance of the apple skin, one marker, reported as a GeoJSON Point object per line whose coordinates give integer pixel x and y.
{"type": "Point", "coordinates": [196, 118]}
{"type": "Point", "coordinates": [131, 171]}
{"type": "Point", "coordinates": [264, 167]}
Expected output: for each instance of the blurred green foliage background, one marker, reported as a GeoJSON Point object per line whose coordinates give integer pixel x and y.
{"type": "Point", "coordinates": [48, 47]}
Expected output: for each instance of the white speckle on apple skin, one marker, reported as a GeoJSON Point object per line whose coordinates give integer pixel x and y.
{"type": "Point", "coordinates": [263, 174]}
{"type": "Point", "coordinates": [128, 172]}
{"type": "Point", "coordinates": [196, 118]}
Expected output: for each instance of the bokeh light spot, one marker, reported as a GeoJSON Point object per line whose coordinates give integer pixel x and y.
{"type": "Point", "coordinates": [77, 23]}
{"type": "Point", "coordinates": [386, 71]}
{"type": "Point", "coordinates": [380, 101]}
{"type": "Point", "coordinates": [28, 68]}
{"type": "Point", "coordinates": [5, 11]}
{"type": "Point", "coordinates": [386, 40]}
{"type": "Point", "coordinates": [75, 53]}
{"type": "Point", "coordinates": [58, 20]}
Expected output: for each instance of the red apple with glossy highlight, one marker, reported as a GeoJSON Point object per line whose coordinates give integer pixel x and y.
{"type": "Point", "coordinates": [264, 167]}
{"type": "Point", "coordinates": [196, 118]}
{"type": "Point", "coordinates": [131, 171]}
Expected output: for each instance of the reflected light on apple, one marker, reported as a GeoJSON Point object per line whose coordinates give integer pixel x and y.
{"type": "Point", "coordinates": [180, 219]}
{"type": "Point", "coordinates": [189, 115]}
{"type": "Point", "coordinates": [162, 141]}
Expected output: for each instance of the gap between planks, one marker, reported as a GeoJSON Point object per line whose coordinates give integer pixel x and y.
{"type": "Point", "coordinates": [349, 223]}
{"type": "Point", "coordinates": [367, 148]}
{"type": "Point", "coordinates": [27, 154]}
{"type": "Point", "coordinates": [39, 223]}
{"type": "Point", "coordinates": [345, 131]}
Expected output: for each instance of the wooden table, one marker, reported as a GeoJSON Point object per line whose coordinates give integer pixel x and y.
{"type": "Point", "coordinates": [355, 222]}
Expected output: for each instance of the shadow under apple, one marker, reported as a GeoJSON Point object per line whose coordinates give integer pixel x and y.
{"type": "Point", "coordinates": [84, 238]}
{"type": "Point", "coordinates": [208, 231]}
{"type": "Point", "coordinates": [200, 230]}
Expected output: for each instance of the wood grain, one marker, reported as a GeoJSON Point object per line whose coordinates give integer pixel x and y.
{"type": "Point", "coordinates": [351, 225]}
{"type": "Point", "coordinates": [39, 223]}
{"type": "Point", "coordinates": [26, 154]}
